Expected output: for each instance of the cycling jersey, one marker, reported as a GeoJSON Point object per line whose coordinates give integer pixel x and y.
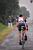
{"type": "Point", "coordinates": [21, 22]}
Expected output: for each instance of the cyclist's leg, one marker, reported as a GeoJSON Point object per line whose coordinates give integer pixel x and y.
{"type": "Point", "coordinates": [19, 35]}
{"type": "Point", "coordinates": [23, 41]}
{"type": "Point", "coordinates": [22, 36]}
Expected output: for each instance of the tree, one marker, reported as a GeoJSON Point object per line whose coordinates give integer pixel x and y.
{"type": "Point", "coordinates": [24, 12]}
{"type": "Point", "coordinates": [12, 7]}
{"type": "Point", "coordinates": [8, 8]}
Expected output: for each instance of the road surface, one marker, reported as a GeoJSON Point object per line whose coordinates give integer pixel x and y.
{"type": "Point", "coordinates": [11, 41]}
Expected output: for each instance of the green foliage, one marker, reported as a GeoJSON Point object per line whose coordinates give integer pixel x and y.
{"type": "Point", "coordinates": [24, 12]}
{"type": "Point", "coordinates": [8, 8]}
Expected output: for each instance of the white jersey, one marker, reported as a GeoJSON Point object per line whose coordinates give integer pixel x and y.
{"type": "Point", "coordinates": [20, 19]}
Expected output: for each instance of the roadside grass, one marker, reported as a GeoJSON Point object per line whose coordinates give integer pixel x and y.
{"type": "Point", "coordinates": [4, 31]}
{"type": "Point", "coordinates": [2, 26]}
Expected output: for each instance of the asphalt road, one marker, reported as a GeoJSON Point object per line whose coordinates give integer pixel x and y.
{"type": "Point", "coordinates": [11, 41]}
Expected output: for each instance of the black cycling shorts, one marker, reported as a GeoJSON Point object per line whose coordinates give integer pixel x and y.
{"type": "Point", "coordinates": [19, 26]}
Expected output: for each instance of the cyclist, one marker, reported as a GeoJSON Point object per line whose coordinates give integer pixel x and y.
{"type": "Point", "coordinates": [21, 21]}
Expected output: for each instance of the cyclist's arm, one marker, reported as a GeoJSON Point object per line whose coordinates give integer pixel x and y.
{"type": "Point", "coordinates": [27, 26]}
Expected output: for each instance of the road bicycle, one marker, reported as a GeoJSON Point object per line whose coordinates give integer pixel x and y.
{"type": "Point", "coordinates": [23, 36]}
